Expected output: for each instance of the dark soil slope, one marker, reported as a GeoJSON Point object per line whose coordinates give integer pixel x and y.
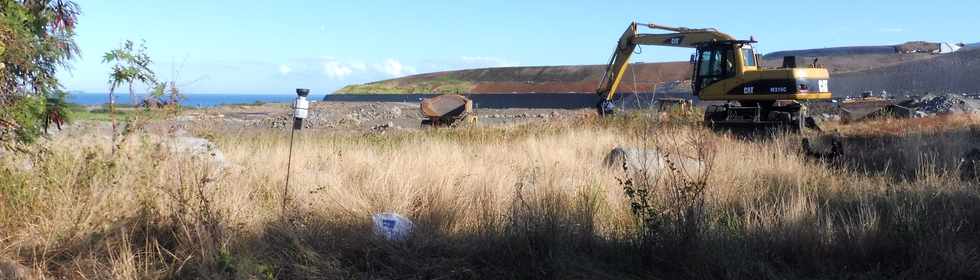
{"type": "Point", "coordinates": [835, 51]}
{"type": "Point", "coordinates": [946, 73]}
{"type": "Point", "coordinates": [848, 59]}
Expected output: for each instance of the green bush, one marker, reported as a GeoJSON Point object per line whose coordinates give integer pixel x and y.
{"type": "Point", "coordinates": [26, 114]}
{"type": "Point", "coordinates": [38, 39]}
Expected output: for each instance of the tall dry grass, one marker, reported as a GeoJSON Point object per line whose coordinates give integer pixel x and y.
{"type": "Point", "coordinates": [525, 201]}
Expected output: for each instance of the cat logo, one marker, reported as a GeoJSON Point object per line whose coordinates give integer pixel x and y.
{"type": "Point", "coordinates": [675, 40]}
{"type": "Point", "coordinates": [748, 90]}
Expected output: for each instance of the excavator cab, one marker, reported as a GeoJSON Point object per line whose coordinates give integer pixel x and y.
{"type": "Point", "coordinates": [718, 61]}
{"type": "Point", "coordinates": [713, 63]}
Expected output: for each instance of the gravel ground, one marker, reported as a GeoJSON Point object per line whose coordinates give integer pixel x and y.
{"type": "Point", "coordinates": [361, 116]}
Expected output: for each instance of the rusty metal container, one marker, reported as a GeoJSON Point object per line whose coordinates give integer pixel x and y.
{"type": "Point", "coordinates": [446, 106]}
{"type": "Point", "coordinates": [447, 110]}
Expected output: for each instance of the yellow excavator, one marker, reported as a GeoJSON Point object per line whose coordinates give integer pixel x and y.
{"type": "Point", "coordinates": [726, 69]}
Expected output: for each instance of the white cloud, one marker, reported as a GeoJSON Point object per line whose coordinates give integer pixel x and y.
{"type": "Point", "coordinates": [891, 30]}
{"type": "Point", "coordinates": [485, 61]}
{"type": "Point", "coordinates": [346, 70]}
{"type": "Point", "coordinates": [336, 70]}
{"type": "Point", "coordinates": [394, 68]}
{"type": "Point", "coordinates": [358, 65]}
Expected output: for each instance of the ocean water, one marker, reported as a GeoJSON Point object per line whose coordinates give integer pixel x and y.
{"type": "Point", "coordinates": [191, 100]}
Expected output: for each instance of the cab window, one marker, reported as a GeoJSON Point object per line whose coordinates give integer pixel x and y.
{"type": "Point", "coordinates": [713, 65]}
{"type": "Point", "coordinates": [749, 56]}
{"type": "Point", "coordinates": [728, 63]}
{"type": "Point", "coordinates": [716, 63]}
{"type": "Point", "coordinates": [704, 63]}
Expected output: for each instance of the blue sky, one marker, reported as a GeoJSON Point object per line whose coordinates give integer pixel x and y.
{"type": "Point", "coordinates": [272, 47]}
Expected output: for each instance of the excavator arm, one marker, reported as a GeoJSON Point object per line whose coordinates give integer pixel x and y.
{"type": "Point", "coordinates": [679, 37]}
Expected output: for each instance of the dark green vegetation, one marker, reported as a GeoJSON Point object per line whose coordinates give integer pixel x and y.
{"type": "Point", "coordinates": [36, 38]}
{"type": "Point", "coordinates": [437, 85]}
{"type": "Point", "coordinates": [130, 65]}
{"type": "Point", "coordinates": [122, 113]}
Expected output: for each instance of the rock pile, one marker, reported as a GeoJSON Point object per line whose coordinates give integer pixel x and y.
{"type": "Point", "coordinates": [929, 105]}
{"type": "Point", "coordinates": [942, 104]}
{"type": "Point", "coordinates": [382, 128]}
{"type": "Point", "coordinates": [376, 111]}
{"type": "Point", "coordinates": [526, 115]}
{"type": "Point", "coordinates": [329, 117]}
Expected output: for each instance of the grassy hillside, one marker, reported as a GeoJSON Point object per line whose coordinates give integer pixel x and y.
{"type": "Point", "coordinates": [443, 84]}
{"type": "Point", "coordinates": [550, 79]}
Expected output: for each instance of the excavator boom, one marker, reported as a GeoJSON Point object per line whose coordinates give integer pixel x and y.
{"type": "Point", "coordinates": [680, 37]}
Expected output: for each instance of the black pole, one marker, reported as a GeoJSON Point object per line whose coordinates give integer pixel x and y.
{"type": "Point", "coordinates": [299, 113]}
{"type": "Point", "coordinates": [289, 163]}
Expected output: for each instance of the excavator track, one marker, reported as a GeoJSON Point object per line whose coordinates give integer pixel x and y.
{"type": "Point", "coordinates": [759, 117]}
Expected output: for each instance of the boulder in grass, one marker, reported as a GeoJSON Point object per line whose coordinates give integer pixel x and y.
{"type": "Point", "coordinates": [825, 147]}
{"type": "Point", "coordinates": [12, 270]}
{"type": "Point", "coordinates": [970, 165]}
{"type": "Point", "coordinates": [651, 161]}
{"type": "Point", "coordinates": [200, 148]}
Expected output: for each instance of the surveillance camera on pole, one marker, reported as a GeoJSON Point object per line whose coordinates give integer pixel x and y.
{"type": "Point", "coordinates": [301, 108]}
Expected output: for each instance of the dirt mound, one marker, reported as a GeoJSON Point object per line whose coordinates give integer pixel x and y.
{"type": "Point", "coordinates": [949, 73]}
{"type": "Point", "coordinates": [839, 51]}
{"type": "Point", "coordinates": [919, 47]}
{"type": "Point", "coordinates": [843, 62]}
{"type": "Point", "coordinates": [906, 48]}
{"type": "Point", "coordinates": [852, 59]}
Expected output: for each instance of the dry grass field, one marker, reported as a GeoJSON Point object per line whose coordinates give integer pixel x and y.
{"type": "Point", "coordinates": [527, 201]}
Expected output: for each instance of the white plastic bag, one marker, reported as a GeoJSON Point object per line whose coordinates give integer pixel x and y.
{"type": "Point", "coordinates": [392, 226]}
